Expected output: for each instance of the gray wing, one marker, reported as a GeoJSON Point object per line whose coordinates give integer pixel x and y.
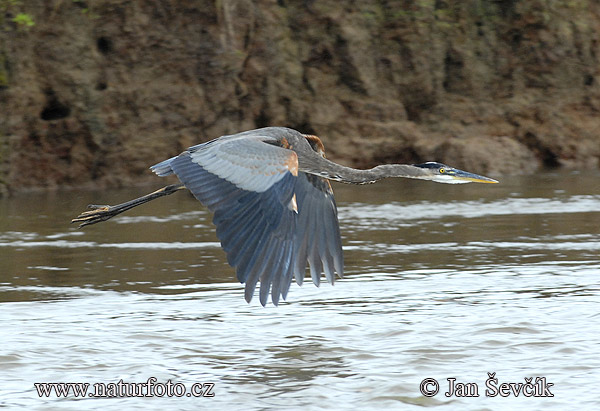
{"type": "Point", "coordinates": [249, 185]}
{"type": "Point", "coordinates": [271, 220]}
{"type": "Point", "coordinates": [318, 238]}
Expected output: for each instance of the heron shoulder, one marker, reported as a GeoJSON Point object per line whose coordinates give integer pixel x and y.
{"type": "Point", "coordinates": [316, 144]}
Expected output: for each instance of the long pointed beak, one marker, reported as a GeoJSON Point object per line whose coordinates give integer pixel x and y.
{"type": "Point", "coordinates": [472, 178]}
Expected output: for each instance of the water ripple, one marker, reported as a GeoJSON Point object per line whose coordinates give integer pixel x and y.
{"type": "Point", "coordinates": [132, 246]}
{"type": "Point", "coordinates": [394, 214]}
{"type": "Point", "coordinates": [430, 291]}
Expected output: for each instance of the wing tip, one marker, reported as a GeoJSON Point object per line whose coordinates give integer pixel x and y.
{"type": "Point", "coordinates": [163, 168]}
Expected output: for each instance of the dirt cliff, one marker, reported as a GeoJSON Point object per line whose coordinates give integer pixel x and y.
{"type": "Point", "coordinates": [95, 92]}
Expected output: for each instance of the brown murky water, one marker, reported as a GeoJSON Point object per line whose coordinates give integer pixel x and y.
{"type": "Point", "coordinates": [442, 282]}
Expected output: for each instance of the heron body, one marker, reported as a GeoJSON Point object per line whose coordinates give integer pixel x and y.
{"type": "Point", "coordinates": [273, 205]}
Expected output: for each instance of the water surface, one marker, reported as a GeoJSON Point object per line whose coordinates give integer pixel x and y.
{"type": "Point", "coordinates": [441, 282]}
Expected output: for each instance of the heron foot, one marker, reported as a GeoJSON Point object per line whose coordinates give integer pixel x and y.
{"type": "Point", "coordinates": [99, 213]}
{"type": "Point", "coordinates": [96, 214]}
{"type": "Point", "coordinates": [96, 206]}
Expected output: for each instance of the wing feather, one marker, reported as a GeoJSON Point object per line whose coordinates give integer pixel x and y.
{"type": "Point", "coordinates": [266, 278]}
{"type": "Point", "coordinates": [254, 250]}
{"type": "Point", "coordinates": [318, 235]}
{"type": "Point", "coordinates": [259, 268]}
{"type": "Point", "coordinates": [288, 273]}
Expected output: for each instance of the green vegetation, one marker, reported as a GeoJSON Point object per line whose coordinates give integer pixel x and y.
{"type": "Point", "coordinates": [10, 11]}
{"type": "Point", "coordinates": [21, 19]}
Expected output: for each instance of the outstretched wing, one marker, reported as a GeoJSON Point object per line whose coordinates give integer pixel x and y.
{"type": "Point", "coordinates": [271, 219]}
{"type": "Point", "coordinates": [249, 185]}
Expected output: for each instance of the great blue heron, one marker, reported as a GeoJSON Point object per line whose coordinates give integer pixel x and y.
{"type": "Point", "coordinates": [272, 202]}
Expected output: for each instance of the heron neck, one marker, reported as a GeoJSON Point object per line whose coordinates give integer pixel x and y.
{"type": "Point", "coordinates": [337, 172]}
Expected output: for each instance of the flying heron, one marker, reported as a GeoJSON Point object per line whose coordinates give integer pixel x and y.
{"type": "Point", "coordinates": [272, 201]}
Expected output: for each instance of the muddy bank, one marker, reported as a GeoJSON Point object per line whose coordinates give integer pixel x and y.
{"type": "Point", "coordinates": [93, 94]}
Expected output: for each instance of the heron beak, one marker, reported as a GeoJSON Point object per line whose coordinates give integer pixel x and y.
{"type": "Point", "coordinates": [471, 178]}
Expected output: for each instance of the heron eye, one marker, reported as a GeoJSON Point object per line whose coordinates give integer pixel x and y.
{"type": "Point", "coordinates": [442, 170]}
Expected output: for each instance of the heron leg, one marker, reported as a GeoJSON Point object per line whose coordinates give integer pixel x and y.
{"type": "Point", "coordinates": [99, 213]}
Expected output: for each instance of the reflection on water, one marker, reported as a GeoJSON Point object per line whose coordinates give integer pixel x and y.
{"type": "Point", "coordinates": [442, 282]}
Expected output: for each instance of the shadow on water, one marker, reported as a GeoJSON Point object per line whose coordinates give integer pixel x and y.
{"type": "Point", "coordinates": [442, 281]}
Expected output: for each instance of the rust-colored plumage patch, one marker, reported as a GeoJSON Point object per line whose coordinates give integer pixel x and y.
{"type": "Point", "coordinates": [316, 144]}
{"type": "Point", "coordinates": [292, 163]}
{"type": "Point", "coordinates": [285, 144]}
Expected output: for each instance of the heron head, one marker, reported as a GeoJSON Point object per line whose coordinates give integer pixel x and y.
{"type": "Point", "coordinates": [442, 173]}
